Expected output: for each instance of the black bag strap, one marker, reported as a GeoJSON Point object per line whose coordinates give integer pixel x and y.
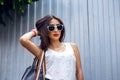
{"type": "Point", "coordinates": [35, 61]}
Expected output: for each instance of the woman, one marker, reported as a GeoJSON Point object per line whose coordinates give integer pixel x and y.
{"type": "Point", "coordinates": [62, 58]}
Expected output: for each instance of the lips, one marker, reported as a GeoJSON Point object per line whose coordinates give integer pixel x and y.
{"type": "Point", "coordinates": [55, 35]}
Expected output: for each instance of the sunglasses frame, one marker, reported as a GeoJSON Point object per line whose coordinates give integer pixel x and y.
{"type": "Point", "coordinates": [55, 26]}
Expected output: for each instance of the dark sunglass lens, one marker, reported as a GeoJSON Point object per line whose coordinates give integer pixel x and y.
{"type": "Point", "coordinates": [59, 27]}
{"type": "Point", "coordinates": [51, 28]}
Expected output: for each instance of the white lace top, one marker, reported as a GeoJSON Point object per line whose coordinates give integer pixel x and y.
{"type": "Point", "coordinates": [61, 65]}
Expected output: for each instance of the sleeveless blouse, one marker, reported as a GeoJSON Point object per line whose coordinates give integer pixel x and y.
{"type": "Point", "coordinates": [61, 65]}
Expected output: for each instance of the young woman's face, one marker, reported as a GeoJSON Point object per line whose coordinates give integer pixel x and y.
{"type": "Point", "coordinates": [55, 29]}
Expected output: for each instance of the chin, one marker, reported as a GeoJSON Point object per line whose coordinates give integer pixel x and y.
{"type": "Point", "coordinates": [57, 38]}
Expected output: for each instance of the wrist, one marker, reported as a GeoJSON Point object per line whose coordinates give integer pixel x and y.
{"type": "Point", "coordinates": [34, 33]}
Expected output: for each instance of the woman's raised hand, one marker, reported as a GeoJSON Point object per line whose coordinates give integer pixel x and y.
{"type": "Point", "coordinates": [36, 32]}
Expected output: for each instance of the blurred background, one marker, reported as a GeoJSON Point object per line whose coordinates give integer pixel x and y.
{"type": "Point", "coordinates": [94, 25]}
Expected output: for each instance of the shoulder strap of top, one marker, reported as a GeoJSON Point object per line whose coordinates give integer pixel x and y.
{"type": "Point", "coordinates": [69, 46]}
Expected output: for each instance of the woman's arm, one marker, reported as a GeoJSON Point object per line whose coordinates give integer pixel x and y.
{"type": "Point", "coordinates": [79, 72]}
{"type": "Point", "coordinates": [29, 45]}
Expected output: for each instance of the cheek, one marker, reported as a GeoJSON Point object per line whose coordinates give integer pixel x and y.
{"type": "Point", "coordinates": [60, 33]}
{"type": "Point", "coordinates": [50, 35]}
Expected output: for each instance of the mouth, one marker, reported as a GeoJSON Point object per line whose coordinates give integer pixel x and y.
{"type": "Point", "coordinates": [55, 35]}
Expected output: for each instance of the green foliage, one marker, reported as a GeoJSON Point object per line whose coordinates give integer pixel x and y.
{"type": "Point", "coordinates": [12, 5]}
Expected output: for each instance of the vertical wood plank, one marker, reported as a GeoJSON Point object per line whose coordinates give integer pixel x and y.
{"type": "Point", "coordinates": [113, 40]}
{"type": "Point", "coordinates": [116, 5]}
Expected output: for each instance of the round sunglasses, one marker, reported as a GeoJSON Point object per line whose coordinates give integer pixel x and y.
{"type": "Point", "coordinates": [57, 26]}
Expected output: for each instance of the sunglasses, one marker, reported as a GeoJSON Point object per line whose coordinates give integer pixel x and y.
{"type": "Point", "coordinates": [57, 26]}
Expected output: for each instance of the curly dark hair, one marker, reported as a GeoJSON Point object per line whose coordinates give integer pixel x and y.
{"type": "Point", "coordinates": [41, 26]}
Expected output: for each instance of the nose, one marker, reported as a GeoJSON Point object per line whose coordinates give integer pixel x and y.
{"type": "Point", "coordinates": [55, 28]}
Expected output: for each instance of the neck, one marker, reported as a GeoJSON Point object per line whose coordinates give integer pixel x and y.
{"type": "Point", "coordinates": [55, 44]}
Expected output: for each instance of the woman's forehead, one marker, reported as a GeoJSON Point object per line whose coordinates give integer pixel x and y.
{"type": "Point", "coordinates": [54, 21]}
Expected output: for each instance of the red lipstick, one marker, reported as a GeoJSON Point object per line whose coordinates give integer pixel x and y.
{"type": "Point", "coordinates": [55, 35]}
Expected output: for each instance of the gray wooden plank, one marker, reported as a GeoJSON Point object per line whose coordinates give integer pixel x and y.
{"type": "Point", "coordinates": [102, 42]}
{"type": "Point", "coordinates": [116, 6]}
{"type": "Point", "coordinates": [107, 41]}
{"type": "Point", "coordinates": [113, 40]}
{"type": "Point", "coordinates": [87, 58]}
{"type": "Point", "coordinates": [96, 40]}
{"type": "Point", "coordinates": [91, 38]}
